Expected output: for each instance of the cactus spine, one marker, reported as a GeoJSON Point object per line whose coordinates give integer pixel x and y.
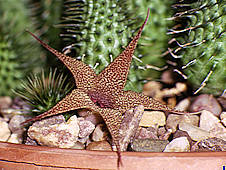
{"type": "Point", "coordinates": [201, 44]}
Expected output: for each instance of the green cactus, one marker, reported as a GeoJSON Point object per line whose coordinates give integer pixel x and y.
{"type": "Point", "coordinates": [201, 44]}
{"type": "Point", "coordinates": [96, 31]}
{"type": "Point", "coordinates": [17, 49]}
{"type": "Point", "coordinates": [9, 74]}
{"type": "Point", "coordinates": [154, 41]}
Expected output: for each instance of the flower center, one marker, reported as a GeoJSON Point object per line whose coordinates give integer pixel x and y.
{"type": "Point", "coordinates": [101, 100]}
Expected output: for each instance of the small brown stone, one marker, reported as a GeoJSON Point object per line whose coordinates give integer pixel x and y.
{"type": "Point", "coordinates": [84, 112]}
{"type": "Point", "coordinates": [99, 145]}
{"type": "Point", "coordinates": [94, 118]}
{"type": "Point", "coordinates": [15, 124]}
{"type": "Point", "coordinates": [222, 101]}
{"type": "Point", "coordinates": [147, 133]}
{"type": "Point", "coordinates": [183, 105]}
{"type": "Point", "coordinates": [173, 121]}
{"type": "Point", "coordinates": [163, 134]}
{"type": "Point", "coordinates": [151, 88]}
{"type": "Point", "coordinates": [167, 77]}
{"type": "Point", "coordinates": [78, 145]}
{"type": "Point", "coordinates": [206, 102]}
{"type": "Point", "coordinates": [5, 102]}
{"type": "Point", "coordinates": [100, 133]}
{"type": "Point", "coordinates": [171, 102]}
{"type": "Point", "coordinates": [86, 128]}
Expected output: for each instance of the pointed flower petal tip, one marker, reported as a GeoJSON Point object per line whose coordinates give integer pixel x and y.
{"type": "Point", "coordinates": [148, 14]}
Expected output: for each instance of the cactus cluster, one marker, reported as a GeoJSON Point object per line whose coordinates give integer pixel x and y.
{"type": "Point", "coordinates": [17, 49]}
{"type": "Point", "coordinates": [97, 31]}
{"type": "Point", "coordinates": [200, 39]}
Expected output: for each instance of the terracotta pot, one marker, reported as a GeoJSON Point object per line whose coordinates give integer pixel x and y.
{"type": "Point", "coordinates": [18, 156]}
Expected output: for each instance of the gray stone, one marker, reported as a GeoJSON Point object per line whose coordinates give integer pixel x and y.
{"type": "Point", "coordinates": [149, 145]}
{"type": "Point", "coordinates": [15, 124]}
{"type": "Point", "coordinates": [218, 131]}
{"type": "Point", "coordinates": [208, 120]}
{"type": "Point", "coordinates": [180, 133]}
{"type": "Point", "coordinates": [212, 124]}
{"type": "Point", "coordinates": [194, 132]}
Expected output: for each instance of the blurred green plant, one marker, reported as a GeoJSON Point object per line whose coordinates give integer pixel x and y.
{"type": "Point", "coordinates": [19, 55]}
{"type": "Point", "coordinates": [44, 15]}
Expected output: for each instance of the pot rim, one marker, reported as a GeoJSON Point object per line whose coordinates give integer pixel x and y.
{"type": "Point", "coordinates": [76, 158]}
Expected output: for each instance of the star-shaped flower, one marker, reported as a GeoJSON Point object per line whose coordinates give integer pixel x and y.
{"type": "Point", "coordinates": [103, 93]}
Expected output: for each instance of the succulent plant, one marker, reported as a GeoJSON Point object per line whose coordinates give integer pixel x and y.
{"type": "Point", "coordinates": [43, 90]}
{"type": "Point", "coordinates": [96, 31]}
{"type": "Point", "coordinates": [200, 39]}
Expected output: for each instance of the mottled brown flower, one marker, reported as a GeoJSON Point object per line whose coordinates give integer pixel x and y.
{"type": "Point", "coordinates": [103, 93]}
